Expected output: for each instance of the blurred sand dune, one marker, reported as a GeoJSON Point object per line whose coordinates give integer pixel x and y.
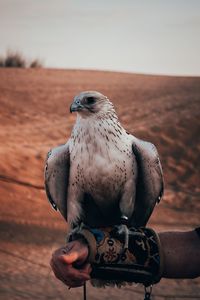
{"type": "Point", "coordinates": [35, 117]}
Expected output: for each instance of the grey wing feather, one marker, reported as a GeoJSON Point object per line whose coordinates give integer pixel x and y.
{"type": "Point", "coordinates": [150, 184]}
{"type": "Point", "coordinates": [57, 177]}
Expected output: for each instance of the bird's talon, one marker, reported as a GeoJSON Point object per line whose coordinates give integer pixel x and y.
{"type": "Point", "coordinates": [124, 220]}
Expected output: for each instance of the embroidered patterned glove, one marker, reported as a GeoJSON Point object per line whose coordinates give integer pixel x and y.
{"type": "Point", "coordinates": [112, 262]}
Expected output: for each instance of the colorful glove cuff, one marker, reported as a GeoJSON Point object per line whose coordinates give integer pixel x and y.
{"type": "Point", "coordinates": [140, 262]}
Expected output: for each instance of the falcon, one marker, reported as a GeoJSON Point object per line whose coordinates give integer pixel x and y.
{"type": "Point", "coordinates": [103, 175]}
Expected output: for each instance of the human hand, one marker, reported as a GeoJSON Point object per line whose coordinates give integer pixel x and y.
{"type": "Point", "coordinates": [69, 264]}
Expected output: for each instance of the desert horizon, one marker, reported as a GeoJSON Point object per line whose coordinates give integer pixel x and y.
{"type": "Point", "coordinates": [35, 117]}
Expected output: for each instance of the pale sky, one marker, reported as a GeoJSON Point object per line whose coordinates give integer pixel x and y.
{"type": "Point", "coordinates": [143, 36]}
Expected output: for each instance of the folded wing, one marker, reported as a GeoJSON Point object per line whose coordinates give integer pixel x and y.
{"type": "Point", "coordinates": [150, 185]}
{"type": "Point", "coordinates": [57, 177]}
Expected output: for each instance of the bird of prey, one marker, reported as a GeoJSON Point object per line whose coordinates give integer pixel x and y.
{"type": "Point", "coordinates": [103, 175]}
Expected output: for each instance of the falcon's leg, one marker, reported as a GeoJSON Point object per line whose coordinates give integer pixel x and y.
{"type": "Point", "coordinates": [76, 229]}
{"type": "Point", "coordinates": [74, 209]}
{"type": "Point", "coordinates": [126, 207]}
{"type": "Point", "coordinates": [127, 201]}
{"type": "Point", "coordinates": [124, 229]}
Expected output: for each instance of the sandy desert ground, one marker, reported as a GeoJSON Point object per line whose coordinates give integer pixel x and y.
{"type": "Point", "coordinates": [35, 117]}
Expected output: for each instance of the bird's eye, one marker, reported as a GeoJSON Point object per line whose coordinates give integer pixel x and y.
{"type": "Point", "coordinates": [90, 100]}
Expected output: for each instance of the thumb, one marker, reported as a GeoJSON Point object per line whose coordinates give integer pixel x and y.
{"type": "Point", "coordinates": [69, 258]}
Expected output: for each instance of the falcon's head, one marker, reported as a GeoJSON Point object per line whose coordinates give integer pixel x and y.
{"type": "Point", "coordinates": [91, 102]}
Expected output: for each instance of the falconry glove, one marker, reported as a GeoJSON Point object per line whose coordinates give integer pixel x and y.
{"type": "Point", "coordinates": [112, 262]}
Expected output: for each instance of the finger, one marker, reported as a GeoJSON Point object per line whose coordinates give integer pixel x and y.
{"type": "Point", "coordinates": [64, 249]}
{"type": "Point", "coordinates": [61, 273]}
{"type": "Point", "coordinates": [69, 258]}
{"type": "Point", "coordinates": [57, 252]}
{"type": "Point", "coordinates": [56, 272]}
{"type": "Point", "coordinates": [77, 274]}
{"type": "Point", "coordinates": [86, 268]}
{"type": "Point", "coordinates": [73, 281]}
{"type": "Point", "coordinates": [68, 274]}
{"type": "Point", "coordinates": [65, 278]}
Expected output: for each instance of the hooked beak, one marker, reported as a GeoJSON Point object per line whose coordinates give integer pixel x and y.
{"type": "Point", "coordinates": [76, 106]}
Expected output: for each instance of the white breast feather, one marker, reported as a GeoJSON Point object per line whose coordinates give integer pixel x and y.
{"type": "Point", "coordinates": [102, 162]}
